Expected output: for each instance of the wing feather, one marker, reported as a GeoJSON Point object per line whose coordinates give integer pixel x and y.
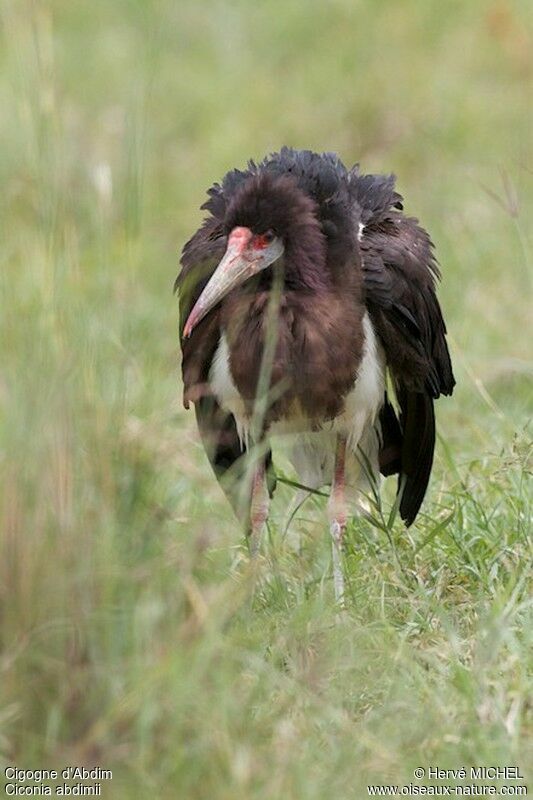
{"type": "Point", "coordinates": [217, 427]}
{"type": "Point", "coordinates": [400, 275]}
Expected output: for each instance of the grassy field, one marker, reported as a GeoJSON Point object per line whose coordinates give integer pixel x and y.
{"type": "Point", "coordinates": [132, 635]}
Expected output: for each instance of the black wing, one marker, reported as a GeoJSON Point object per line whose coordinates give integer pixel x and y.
{"type": "Point", "coordinates": [400, 274]}
{"type": "Point", "coordinates": [217, 427]}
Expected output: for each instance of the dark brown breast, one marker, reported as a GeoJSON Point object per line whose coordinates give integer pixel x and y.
{"type": "Point", "coordinates": [317, 353]}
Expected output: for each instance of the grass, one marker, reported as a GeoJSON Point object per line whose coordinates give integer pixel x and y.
{"type": "Point", "coordinates": [133, 635]}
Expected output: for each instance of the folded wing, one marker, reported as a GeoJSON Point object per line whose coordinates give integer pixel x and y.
{"type": "Point", "coordinates": [217, 427]}
{"type": "Point", "coordinates": [400, 274]}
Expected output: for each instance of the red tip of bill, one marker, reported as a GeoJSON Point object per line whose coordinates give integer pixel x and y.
{"type": "Point", "coordinates": [188, 328]}
{"type": "Point", "coordinates": [190, 325]}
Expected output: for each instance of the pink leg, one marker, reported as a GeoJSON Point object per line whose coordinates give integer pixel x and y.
{"type": "Point", "coordinates": [337, 516]}
{"type": "Point", "coordinates": [258, 508]}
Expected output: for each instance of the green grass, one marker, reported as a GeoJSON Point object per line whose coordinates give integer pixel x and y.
{"type": "Point", "coordinates": [133, 635]}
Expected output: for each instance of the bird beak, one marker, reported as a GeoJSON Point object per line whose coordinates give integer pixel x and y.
{"type": "Point", "coordinates": [241, 260]}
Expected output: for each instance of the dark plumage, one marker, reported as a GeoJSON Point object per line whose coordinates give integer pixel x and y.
{"type": "Point", "coordinates": [344, 252]}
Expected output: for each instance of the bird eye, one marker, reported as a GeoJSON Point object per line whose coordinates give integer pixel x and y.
{"type": "Point", "coordinates": [262, 240]}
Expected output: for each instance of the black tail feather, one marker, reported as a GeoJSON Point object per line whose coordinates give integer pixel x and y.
{"type": "Point", "coordinates": [390, 451]}
{"type": "Point", "coordinates": [417, 420]}
{"type": "Point", "coordinates": [407, 447]}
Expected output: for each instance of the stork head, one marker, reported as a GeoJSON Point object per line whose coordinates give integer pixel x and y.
{"type": "Point", "coordinates": [268, 220]}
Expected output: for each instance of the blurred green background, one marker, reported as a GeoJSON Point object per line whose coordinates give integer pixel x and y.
{"type": "Point", "coordinates": [132, 634]}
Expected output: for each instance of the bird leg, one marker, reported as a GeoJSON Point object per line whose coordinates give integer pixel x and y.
{"type": "Point", "coordinates": [337, 516]}
{"type": "Point", "coordinates": [258, 507]}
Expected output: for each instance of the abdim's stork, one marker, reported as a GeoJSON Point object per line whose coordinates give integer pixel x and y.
{"type": "Point", "coordinates": [302, 289]}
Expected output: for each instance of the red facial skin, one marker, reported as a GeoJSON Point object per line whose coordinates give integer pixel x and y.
{"type": "Point", "coordinates": [260, 241]}
{"type": "Point", "coordinates": [243, 246]}
{"type": "Point", "coordinates": [240, 238]}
